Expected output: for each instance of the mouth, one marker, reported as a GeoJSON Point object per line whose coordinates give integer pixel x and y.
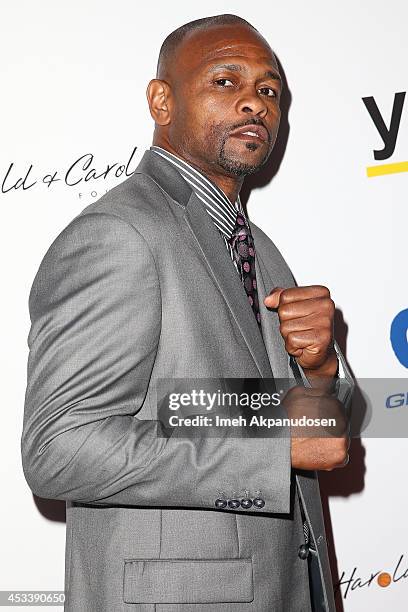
{"type": "Point", "coordinates": [251, 133]}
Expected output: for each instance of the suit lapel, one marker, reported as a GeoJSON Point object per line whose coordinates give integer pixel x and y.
{"type": "Point", "coordinates": [219, 262]}
{"type": "Point", "coordinates": [274, 343]}
{"type": "Point", "coordinates": [210, 244]}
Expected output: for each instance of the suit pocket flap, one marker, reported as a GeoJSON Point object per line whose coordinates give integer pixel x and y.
{"type": "Point", "coordinates": [188, 580]}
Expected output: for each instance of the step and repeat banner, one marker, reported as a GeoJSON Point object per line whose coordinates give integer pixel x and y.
{"type": "Point", "coordinates": [75, 122]}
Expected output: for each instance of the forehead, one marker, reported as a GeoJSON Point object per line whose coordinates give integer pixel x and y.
{"type": "Point", "coordinates": [202, 48]}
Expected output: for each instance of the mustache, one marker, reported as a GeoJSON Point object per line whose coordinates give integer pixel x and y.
{"type": "Point", "coordinates": [253, 121]}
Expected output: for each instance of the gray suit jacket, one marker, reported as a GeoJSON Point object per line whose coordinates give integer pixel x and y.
{"type": "Point", "coordinates": [139, 286]}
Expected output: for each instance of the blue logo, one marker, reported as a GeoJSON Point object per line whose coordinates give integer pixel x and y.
{"type": "Point", "coordinates": [396, 400]}
{"type": "Point", "coordinates": [398, 336]}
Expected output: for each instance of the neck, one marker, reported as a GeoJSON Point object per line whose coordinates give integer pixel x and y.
{"type": "Point", "coordinates": [230, 185]}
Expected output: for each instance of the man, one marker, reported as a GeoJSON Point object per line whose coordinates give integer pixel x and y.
{"type": "Point", "coordinates": [150, 283]}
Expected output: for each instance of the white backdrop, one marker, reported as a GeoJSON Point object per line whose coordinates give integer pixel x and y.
{"type": "Point", "coordinates": [73, 78]}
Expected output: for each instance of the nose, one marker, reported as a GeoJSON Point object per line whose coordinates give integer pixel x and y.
{"type": "Point", "coordinates": [251, 102]}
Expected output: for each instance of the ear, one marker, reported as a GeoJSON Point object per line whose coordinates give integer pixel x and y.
{"type": "Point", "coordinates": [158, 96]}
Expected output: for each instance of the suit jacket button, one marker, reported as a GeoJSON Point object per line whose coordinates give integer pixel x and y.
{"type": "Point", "coordinates": [246, 503]}
{"type": "Point", "coordinates": [259, 502]}
{"type": "Point", "coordinates": [234, 503]}
{"type": "Point", "coordinates": [303, 551]}
{"type": "Point", "coordinates": [220, 503]}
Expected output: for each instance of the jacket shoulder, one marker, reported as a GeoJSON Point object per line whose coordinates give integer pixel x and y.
{"type": "Point", "coordinates": [138, 200]}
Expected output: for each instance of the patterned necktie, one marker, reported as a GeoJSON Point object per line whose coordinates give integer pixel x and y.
{"type": "Point", "coordinates": [243, 250]}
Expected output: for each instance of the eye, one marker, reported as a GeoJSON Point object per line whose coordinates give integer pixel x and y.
{"type": "Point", "coordinates": [223, 82]}
{"type": "Point", "coordinates": [268, 91]}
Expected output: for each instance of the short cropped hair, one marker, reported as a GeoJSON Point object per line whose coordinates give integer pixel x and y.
{"type": "Point", "coordinates": [173, 40]}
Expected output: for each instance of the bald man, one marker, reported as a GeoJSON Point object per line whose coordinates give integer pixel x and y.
{"type": "Point", "coordinates": [165, 278]}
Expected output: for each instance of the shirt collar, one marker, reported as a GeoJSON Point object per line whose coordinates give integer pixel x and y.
{"type": "Point", "coordinates": [218, 206]}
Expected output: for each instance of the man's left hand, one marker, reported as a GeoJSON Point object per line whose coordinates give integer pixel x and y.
{"type": "Point", "coordinates": [306, 317]}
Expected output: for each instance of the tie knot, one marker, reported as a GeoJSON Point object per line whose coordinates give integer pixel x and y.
{"type": "Point", "coordinates": [240, 220]}
{"type": "Point", "coordinates": [241, 230]}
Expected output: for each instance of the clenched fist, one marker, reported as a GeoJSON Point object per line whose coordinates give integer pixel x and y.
{"type": "Point", "coordinates": [319, 446]}
{"type": "Point", "coordinates": [306, 317]}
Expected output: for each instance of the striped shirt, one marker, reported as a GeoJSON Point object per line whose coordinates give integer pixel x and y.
{"type": "Point", "coordinates": [222, 212]}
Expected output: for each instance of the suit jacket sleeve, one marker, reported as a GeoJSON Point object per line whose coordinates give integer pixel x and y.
{"type": "Point", "coordinates": [95, 309]}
